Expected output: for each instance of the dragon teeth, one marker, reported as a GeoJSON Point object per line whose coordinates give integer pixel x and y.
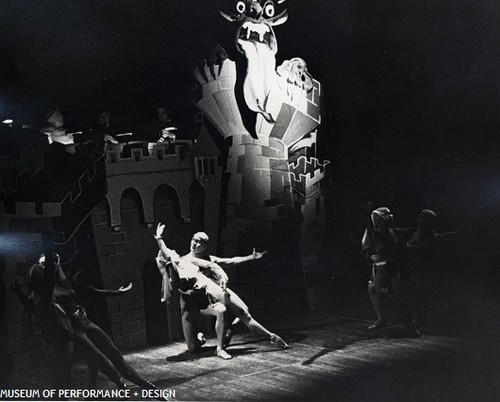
{"type": "Point", "coordinates": [259, 29]}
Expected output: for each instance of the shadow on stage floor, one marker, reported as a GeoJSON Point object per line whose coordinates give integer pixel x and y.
{"type": "Point", "coordinates": [334, 357]}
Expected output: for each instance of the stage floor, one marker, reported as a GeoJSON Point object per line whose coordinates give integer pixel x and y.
{"type": "Point", "coordinates": [335, 357]}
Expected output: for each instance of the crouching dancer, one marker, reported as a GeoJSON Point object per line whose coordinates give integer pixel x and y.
{"type": "Point", "coordinates": [235, 307]}
{"type": "Point", "coordinates": [198, 292]}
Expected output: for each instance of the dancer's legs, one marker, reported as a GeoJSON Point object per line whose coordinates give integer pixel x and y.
{"type": "Point", "coordinates": [93, 371]}
{"type": "Point", "coordinates": [190, 316]}
{"type": "Point", "coordinates": [237, 307]}
{"type": "Point", "coordinates": [218, 310]}
{"type": "Point", "coordinates": [61, 365]}
{"type": "Point", "coordinates": [401, 288]}
{"type": "Point", "coordinates": [106, 345]}
{"type": "Point", "coordinates": [98, 357]}
{"type": "Point", "coordinates": [377, 289]}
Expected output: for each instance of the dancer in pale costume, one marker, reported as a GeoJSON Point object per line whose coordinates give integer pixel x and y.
{"type": "Point", "coordinates": [191, 275]}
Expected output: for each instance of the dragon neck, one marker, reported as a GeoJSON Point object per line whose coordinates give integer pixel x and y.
{"type": "Point", "coordinates": [260, 78]}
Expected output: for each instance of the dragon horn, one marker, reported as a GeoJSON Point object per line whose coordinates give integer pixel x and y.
{"type": "Point", "coordinates": [227, 16]}
{"type": "Point", "coordinates": [280, 19]}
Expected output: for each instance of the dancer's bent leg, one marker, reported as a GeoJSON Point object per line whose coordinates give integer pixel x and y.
{"type": "Point", "coordinates": [218, 310]}
{"type": "Point", "coordinates": [190, 316]}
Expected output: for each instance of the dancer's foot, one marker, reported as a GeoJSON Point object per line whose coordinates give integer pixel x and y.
{"type": "Point", "coordinates": [201, 338]}
{"type": "Point", "coordinates": [227, 338]}
{"type": "Point", "coordinates": [412, 330]}
{"type": "Point", "coordinates": [223, 354]}
{"type": "Point", "coordinates": [378, 324]}
{"type": "Point", "coordinates": [276, 340]}
{"type": "Point", "coordinates": [414, 333]}
{"type": "Point", "coordinates": [229, 333]}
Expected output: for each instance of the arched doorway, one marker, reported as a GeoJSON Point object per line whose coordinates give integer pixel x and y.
{"type": "Point", "coordinates": [156, 310]}
{"type": "Point", "coordinates": [167, 211]}
{"type": "Point", "coordinates": [197, 205]}
{"type": "Point", "coordinates": [131, 207]}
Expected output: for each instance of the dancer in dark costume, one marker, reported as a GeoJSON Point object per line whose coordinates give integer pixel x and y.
{"type": "Point", "coordinates": [420, 248]}
{"type": "Point", "coordinates": [65, 323]}
{"type": "Point", "coordinates": [380, 246]}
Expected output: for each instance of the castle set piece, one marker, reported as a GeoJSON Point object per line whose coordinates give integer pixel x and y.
{"type": "Point", "coordinates": [244, 186]}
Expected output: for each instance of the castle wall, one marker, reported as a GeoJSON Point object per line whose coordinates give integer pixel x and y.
{"type": "Point", "coordinates": [307, 176]}
{"type": "Point", "coordinates": [32, 218]}
{"type": "Point", "coordinates": [142, 191]}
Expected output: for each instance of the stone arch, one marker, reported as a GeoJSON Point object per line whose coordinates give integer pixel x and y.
{"type": "Point", "coordinates": [103, 210]}
{"type": "Point", "coordinates": [155, 310]}
{"type": "Point", "coordinates": [197, 206]}
{"type": "Point", "coordinates": [167, 210]}
{"type": "Point", "coordinates": [131, 206]}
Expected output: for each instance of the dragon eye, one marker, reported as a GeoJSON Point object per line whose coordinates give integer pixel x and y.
{"type": "Point", "coordinates": [241, 7]}
{"type": "Point", "coordinates": [269, 10]}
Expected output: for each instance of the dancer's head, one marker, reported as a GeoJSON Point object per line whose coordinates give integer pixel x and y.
{"type": "Point", "coordinates": [382, 218]}
{"type": "Point", "coordinates": [55, 256]}
{"type": "Point", "coordinates": [199, 243]}
{"type": "Point", "coordinates": [34, 278]}
{"type": "Point", "coordinates": [426, 219]}
{"type": "Point", "coordinates": [55, 118]}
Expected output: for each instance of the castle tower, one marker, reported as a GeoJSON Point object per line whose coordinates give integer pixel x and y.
{"type": "Point", "coordinates": [261, 209]}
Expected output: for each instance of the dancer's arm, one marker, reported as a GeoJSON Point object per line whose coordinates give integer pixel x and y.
{"type": "Point", "coordinates": [26, 301]}
{"type": "Point", "coordinates": [166, 282]}
{"type": "Point", "coordinates": [218, 273]}
{"type": "Point", "coordinates": [183, 282]}
{"type": "Point", "coordinates": [233, 261]}
{"type": "Point", "coordinates": [161, 243]}
{"type": "Point", "coordinates": [104, 292]}
{"type": "Point", "coordinates": [49, 278]}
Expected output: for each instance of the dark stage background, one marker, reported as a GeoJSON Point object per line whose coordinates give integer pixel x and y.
{"type": "Point", "coordinates": [411, 102]}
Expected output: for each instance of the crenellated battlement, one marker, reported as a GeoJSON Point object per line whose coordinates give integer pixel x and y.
{"type": "Point", "coordinates": [30, 161]}
{"type": "Point", "coordinates": [156, 157]}
{"type": "Point", "coordinates": [55, 209]}
{"type": "Point", "coordinates": [306, 174]}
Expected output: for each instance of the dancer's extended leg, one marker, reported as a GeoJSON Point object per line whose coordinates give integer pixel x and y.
{"type": "Point", "coordinates": [238, 308]}
{"type": "Point", "coordinates": [98, 357]}
{"type": "Point", "coordinates": [106, 345]}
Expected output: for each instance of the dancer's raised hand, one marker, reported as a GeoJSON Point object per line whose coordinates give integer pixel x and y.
{"type": "Point", "coordinates": [258, 254]}
{"type": "Point", "coordinates": [126, 288]}
{"type": "Point", "coordinates": [159, 230]}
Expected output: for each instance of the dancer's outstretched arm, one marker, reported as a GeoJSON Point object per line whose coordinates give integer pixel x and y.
{"type": "Point", "coordinates": [75, 281]}
{"type": "Point", "coordinates": [27, 301]}
{"type": "Point", "coordinates": [233, 261]}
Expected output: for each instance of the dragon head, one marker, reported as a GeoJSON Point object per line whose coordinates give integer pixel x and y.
{"type": "Point", "coordinates": [256, 18]}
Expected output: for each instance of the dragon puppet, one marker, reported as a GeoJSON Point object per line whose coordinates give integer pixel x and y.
{"type": "Point", "coordinates": [262, 164]}
{"type": "Point", "coordinates": [273, 179]}
{"type": "Point", "coordinates": [266, 88]}
{"type": "Point", "coordinates": [264, 84]}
